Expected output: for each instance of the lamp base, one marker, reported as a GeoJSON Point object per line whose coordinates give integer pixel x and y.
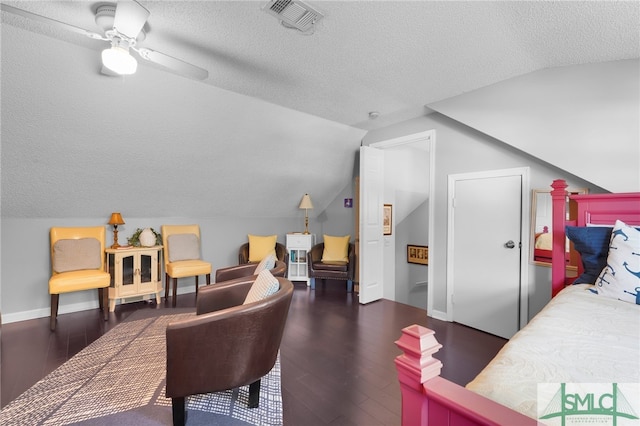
{"type": "Point", "coordinates": [115, 238]}
{"type": "Point", "coordinates": [306, 224]}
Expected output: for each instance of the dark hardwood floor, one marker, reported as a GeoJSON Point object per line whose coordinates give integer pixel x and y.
{"type": "Point", "coordinates": [336, 355]}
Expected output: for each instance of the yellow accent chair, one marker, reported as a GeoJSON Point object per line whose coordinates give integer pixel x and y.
{"type": "Point", "coordinates": [77, 263]}
{"type": "Point", "coordinates": [182, 256]}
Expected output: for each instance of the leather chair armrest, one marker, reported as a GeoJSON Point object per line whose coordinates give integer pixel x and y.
{"type": "Point", "coordinates": [233, 272]}
{"type": "Point", "coordinates": [223, 295]}
{"type": "Point", "coordinates": [281, 253]}
{"type": "Point", "coordinates": [280, 269]}
{"type": "Point", "coordinates": [314, 255]}
{"type": "Point", "coordinates": [243, 254]}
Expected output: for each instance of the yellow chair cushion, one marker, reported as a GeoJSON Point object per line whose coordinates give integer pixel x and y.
{"type": "Point", "coordinates": [336, 249]}
{"type": "Point", "coordinates": [78, 280]}
{"type": "Point", "coordinates": [188, 268]}
{"type": "Point", "coordinates": [261, 246]}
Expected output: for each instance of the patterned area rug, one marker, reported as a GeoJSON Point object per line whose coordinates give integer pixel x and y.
{"type": "Point", "coordinates": [119, 380]}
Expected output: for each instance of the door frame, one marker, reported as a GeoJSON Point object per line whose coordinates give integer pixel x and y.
{"type": "Point", "coordinates": [524, 174]}
{"type": "Point", "coordinates": [429, 138]}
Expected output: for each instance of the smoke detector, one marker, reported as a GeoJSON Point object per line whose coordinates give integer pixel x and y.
{"type": "Point", "coordinates": [293, 14]}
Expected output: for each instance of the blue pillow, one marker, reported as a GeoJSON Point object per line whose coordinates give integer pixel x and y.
{"type": "Point", "coordinates": [592, 242]}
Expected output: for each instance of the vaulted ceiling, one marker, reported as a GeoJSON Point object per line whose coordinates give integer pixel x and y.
{"type": "Point", "coordinates": [279, 109]}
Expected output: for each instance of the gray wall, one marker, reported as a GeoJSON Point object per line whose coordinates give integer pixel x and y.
{"type": "Point", "coordinates": [26, 263]}
{"type": "Point", "coordinates": [460, 149]}
{"type": "Point", "coordinates": [336, 219]}
{"type": "Point", "coordinates": [411, 279]}
{"type": "Point", "coordinates": [563, 113]}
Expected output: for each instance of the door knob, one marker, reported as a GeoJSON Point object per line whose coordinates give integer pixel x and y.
{"type": "Point", "coordinates": [510, 244]}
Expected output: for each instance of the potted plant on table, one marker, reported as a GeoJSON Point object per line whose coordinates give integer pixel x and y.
{"type": "Point", "coordinates": [146, 237]}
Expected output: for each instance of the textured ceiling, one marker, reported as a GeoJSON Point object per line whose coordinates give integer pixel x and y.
{"type": "Point", "coordinates": [281, 113]}
{"type": "Point", "coordinates": [391, 57]}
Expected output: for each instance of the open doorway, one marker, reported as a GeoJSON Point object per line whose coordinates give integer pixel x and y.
{"type": "Point", "coordinates": [407, 174]}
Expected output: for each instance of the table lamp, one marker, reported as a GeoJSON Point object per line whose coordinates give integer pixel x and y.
{"type": "Point", "coordinates": [116, 219]}
{"type": "Point", "coordinates": [306, 204]}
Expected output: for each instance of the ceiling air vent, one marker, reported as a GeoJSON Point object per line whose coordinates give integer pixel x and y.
{"type": "Point", "coordinates": [293, 14]}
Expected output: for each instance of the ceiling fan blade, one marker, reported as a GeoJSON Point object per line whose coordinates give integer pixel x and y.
{"type": "Point", "coordinates": [130, 18]}
{"type": "Point", "coordinates": [49, 21]}
{"type": "Point", "coordinates": [177, 65]}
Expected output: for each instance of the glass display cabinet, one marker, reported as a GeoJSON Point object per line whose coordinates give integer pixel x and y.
{"type": "Point", "coordinates": [134, 272]}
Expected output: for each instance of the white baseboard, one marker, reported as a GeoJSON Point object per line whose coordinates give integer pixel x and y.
{"type": "Point", "coordinates": [67, 309]}
{"type": "Point", "coordinates": [439, 315]}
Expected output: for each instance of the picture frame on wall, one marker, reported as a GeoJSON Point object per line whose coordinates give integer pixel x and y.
{"type": "Point", "coordinates": [417, 254]}
{"type": "Point", "coordinates": [387, 211]}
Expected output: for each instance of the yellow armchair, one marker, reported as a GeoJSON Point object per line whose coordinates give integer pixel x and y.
{"type": "Point", "coordinates": [181, 252]}
{"type": "Point", "coordinates": [77, 263]}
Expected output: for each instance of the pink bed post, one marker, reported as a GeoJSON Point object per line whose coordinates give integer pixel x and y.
{"type": "Point", "coordinates": [415, 367]}
{"type": "Point", "coordinates": [558, 262]}
{"type": "Point", "coordinates": [430, 400]}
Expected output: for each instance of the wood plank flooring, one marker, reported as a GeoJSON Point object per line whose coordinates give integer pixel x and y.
{"type": "Point", "coordinates": [336, 355]}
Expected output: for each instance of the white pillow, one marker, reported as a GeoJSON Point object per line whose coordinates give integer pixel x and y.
{"type": "Point", "coordinates": [620, 279]}
{"type": "Point", "coordinates": [265, 264]}
{"type": "Point", "coordinates": [183, 247]}
{"type": "Point", "coordinates": [264, 286]}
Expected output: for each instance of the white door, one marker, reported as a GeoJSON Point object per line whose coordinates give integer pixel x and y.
{"type": "Point", "coordinates": [371, 201]}
{"type": "Point", "coordinates": [486, 243]}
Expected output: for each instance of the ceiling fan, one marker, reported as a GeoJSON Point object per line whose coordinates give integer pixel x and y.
{"type": "Point", "coordinates": [123, 25]}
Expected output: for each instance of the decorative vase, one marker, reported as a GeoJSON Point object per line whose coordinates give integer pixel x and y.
{"type": "Point", "coordinates": [147, 238]}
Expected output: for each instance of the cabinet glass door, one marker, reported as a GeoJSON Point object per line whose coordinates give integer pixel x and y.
{"type": "Point", "coordinates": [145, 268]}
{"type": "Point", "coordinates": [127, 270]}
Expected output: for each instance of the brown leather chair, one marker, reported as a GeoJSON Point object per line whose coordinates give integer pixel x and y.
{"type": "Point", "coordinates": [226, 344]}
{"type": "Point", "coordinates": [246, 270]}
{"type": "Point", "coordinates": [341, 271]}
{"type": "Point", "coordinates": [243, 253]}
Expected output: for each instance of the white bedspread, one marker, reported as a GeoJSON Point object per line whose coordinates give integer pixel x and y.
{"type": "Point", "coordinates": [579, 337]}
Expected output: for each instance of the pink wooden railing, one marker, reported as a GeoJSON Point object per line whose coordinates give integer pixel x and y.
{"type": "Point", "coordinates": [428, 399]}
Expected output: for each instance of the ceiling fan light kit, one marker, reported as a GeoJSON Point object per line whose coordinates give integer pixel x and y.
{"type": "Point", "coordinates": [123, 25]}
{"type": "Point", "coordinates": [118, 59]}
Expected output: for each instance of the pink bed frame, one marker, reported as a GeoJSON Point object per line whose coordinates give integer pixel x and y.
{"type": "Point", "coordinates": [427, 398]}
